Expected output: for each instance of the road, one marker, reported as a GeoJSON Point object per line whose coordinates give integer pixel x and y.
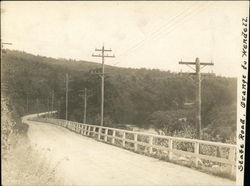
{"type": "Point", "coordinates": [80, 160]}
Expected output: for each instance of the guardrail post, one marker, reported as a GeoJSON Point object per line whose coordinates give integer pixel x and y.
{"type": "Point", "coordinates": [196, 151]}
{"type": "Point", "coordinates": [89, 127]}
{"type": "Point", "coordinates": [82, 129]}
{"type": "Point", "coordinates": [170, 147]}
{"type": "Point", "coordinates": [99, 133]}
{"type": "Point", "coordinates": [123, 138]}
{"type": "Point", "coordinates": [94, 131]}
{"type": "Point", "coordinates": [113, 137]}
{"type": "Point", "coordinates": [150, 143]}
{"type": "Point", "coordinates": [106, 133]}
{"type": "Point", "coordinates": [85, 130]}
{"type": "Point", "coordinates": [135, 143]}
{"type": "Point", "coordinates": [231, 157]}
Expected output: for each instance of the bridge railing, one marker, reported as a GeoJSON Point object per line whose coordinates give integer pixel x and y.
{"type": "Point", "coordinates": [190, 152]}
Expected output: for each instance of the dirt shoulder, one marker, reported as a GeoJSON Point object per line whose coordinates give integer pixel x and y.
{"type": "Point", "coordinates": [21, 163]}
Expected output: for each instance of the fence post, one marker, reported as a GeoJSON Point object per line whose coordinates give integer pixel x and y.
{"type": "Point", "coordinates": [82, 129]}
{"type": "Point", "coordinates": [123, 138]}
{"type": "Point", "coordinates": [99, 133]}
{"type": "Point", "coordinates": [89, 130]}
{"type": "Point", "coordinates": [94, 131]}
{"type": "Point", "coordinates": [106, 133]}
{"type": "Point", "coordinates": [150, 143]}
{"type": "Point", "coordinates": [113, 137]}
{"type": "Point", "coordinates": [196, 151]}
{"type": "Point", "coordinates": [79, 128]}
{"type": "Point", "coordinates": [135, 143]}
{"type": "Point", "coordinates": [85, 130]}
{"type": "Point", "coordinates": [170, 146]}
{"type": "Point", "coordinates": [231, 157]}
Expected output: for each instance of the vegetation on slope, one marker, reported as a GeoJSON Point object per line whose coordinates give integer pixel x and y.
{"type": "Point", "coordinates": [145, 98]}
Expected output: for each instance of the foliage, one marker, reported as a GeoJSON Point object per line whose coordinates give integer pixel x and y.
{"type": "Point", "coordinates": [132, 96]}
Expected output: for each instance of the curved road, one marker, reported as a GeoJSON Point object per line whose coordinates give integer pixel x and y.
{"type": "Point", "coordinates": [80, 160]}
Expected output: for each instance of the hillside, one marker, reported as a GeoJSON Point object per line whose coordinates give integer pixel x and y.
{"type": "Point", "coordinates": [146, 98]}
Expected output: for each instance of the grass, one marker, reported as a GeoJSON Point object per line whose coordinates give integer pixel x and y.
{"type": "Point", "coordinates": [26, 166]}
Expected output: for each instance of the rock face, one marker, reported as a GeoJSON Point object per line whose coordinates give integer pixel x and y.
{"type": "Point", "coordinates": [7, 124]}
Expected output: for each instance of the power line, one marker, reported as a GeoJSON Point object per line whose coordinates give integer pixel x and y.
{"type": "Point", "coordinates": [156, 35]}
{"type": "Point", "coordinates": [159, 28]}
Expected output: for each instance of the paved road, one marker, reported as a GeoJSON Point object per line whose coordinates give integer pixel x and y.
{"type": "Point", "coordinates": [81, 160]}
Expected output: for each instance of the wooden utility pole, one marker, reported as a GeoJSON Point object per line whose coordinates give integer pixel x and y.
{"type": "Point", "coordinates": [67, 87]}
{"type": "Point", "coordinates": [2, 47]}
{"type": "Point", "coordinates": [59, 109]}
{"type": "Point", "coordinates": [3, 43]}
{"type": "Point", "coordinates": [102, 55]}
{"type": "Point", "coordinates": [197, 73]}
{"type": "Point", "coordinates": [85, 106]}
{"type": "Point", "coordinates": [48, 107]}
{"type": "Point", "coordinates": [52, 101]}
{"type": "Point", "coordinates": [27, 103]}
{"type": "Point", "coordinates": [37, 106]}
{"type": "Point", "coordinates": [85, 97]}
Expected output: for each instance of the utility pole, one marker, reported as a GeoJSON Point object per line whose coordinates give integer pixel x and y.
{"type": "Point", "coordinates": [59, 109]}
{"type": "Point", "coordinates": [37, 107]}
{"type": "Point", "coordinates": [85, 96]}
{"type": "Point", "coordinates": [67, 87]}
{"type": "Point", "coordinates": [27, 103]}
{"type": "Point", "coordinates": [2, 45]}
{"type": "Point", "coordinates": [48, 106]}
{"type": "Point", "coordinates": [102, 55]}
{"type": "Point", "coordinates": [3, 84]}
{"type": "Point", "coordinates": [85, 106]}
{"type": "Point", "coordinates": [197, 73]}
{"type": "Point", "coordinates": [52, 101]}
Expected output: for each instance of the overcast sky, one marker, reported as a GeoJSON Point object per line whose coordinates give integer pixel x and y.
{"type": "Point", "coordinates": [141, 34]}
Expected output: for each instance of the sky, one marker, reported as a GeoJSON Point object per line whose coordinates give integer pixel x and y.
{"type": "Point", "coordinates": [154, 35]}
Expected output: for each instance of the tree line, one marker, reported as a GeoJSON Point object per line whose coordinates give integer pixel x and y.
{"type": "Point", "coordinates": [142, 97]}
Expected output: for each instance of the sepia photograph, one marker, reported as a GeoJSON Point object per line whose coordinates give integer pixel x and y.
{"type": "Point", "coordinates": [123, 93]}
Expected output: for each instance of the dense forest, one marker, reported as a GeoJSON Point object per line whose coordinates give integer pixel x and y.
{"type": "Point", "coordinates": [141, 97]}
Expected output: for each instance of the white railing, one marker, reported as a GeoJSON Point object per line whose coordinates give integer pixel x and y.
{"type": "Point", "coordinates": [195, 150]}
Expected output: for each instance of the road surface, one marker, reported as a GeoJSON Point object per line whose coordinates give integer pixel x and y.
{"type": "Point", "coordinates": [80, 160]}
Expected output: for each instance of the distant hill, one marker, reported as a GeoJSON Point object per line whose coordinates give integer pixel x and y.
{"type": "Point", "coordinates": [132, 96]}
